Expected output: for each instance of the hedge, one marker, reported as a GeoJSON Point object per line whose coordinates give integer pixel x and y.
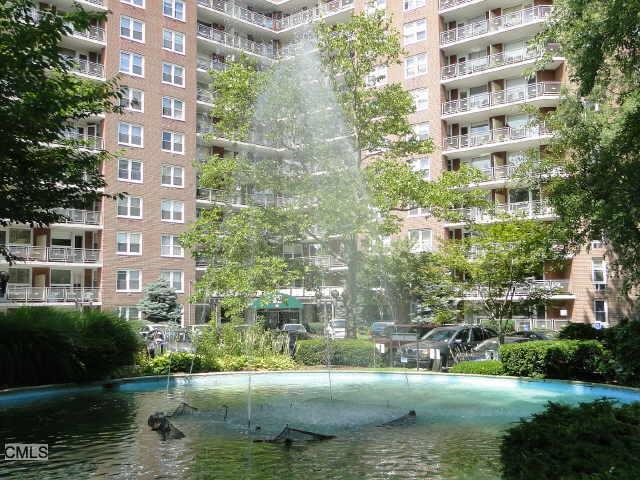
{"type": "Point", "coordinates": [563, 359]}
{"type": "Point", "coordinates": [485, 367]}
{"type": "Point", "coordinates": [622, 341]}
{"type": "Point", "coordinates": [185, 362]}
{"type": "Point", "coordinates": [580, 331]}
{"type": "Point", "coordinates": [348, 352]}
{"type": "Point", "coordinates": [597, 440]}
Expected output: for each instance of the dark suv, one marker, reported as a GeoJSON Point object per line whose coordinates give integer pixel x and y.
{"type": "Point", "coordinates": [449, 341]}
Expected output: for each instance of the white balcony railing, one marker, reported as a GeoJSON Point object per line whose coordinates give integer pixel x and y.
{"type": "Point", "coordinates": [92, 142]}
{"type": "Point", "coordinates": [496, 24]}
{"type": "Point", "coordinates": [31, 253]}
{"type": "Point", "coordinates": [65, 294]}
{"type": "Point", "coordinates": [242, 199]}
{"type": "Point", "coordinates": [86, 67]}
{"type": "Point", "coordinates": [224, 38]}
{"type": "Point", "coordinates": [502, 97]}
{"type": "Point", "coordinates": [92, 33]}
{"type": "Point", "coordinates": [532, 209]}
{"type": "Point", "coordinates": [84, 217]}
{"type": "Point", "coordinates": [204, 95]}
{"type": "Point", "coordinates": [497, 135]}
{"type": "Point", "coordinates": [555, 287]}
{"type": "Point", "coordinates": [468, 67]}
{"type": "Point", "coordinates": [320, 261]}
{"type": "Point", "coordinates": [210, 64]}
{"type": "Point", "coordinates": [446, 4]}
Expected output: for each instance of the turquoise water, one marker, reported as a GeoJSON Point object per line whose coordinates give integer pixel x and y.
{"type": "Point", "coordinates": [97, 433]}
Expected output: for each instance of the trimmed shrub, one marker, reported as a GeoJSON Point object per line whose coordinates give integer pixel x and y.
{"type": "Point", "coordinates": [485, 367]}
{"type": "Point", "coordinates": [580, 331]}
{"type": "Point", "coordinates": [597, 440]}
{"type": "Point", "coordinates": [622, 341]}
{"type": "Point", "coordinates": [348, 352]}
{"type": "Point", "coordinates": [48, 345]}
{"type": "Point", "coordinates": [180, 362]}
{"type": "Point", "coordinates": [563, 359]}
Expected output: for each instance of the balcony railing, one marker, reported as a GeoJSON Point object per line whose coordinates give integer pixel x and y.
{"type": "Point", "coordinates": [502, 97]}
{"type": "Point", "coordinates": [211, 64]}
{"type": "Point", "coordinates": [233, 41]}
{"type": "Point", "coordinates": [445, 4]}
{"type": "Point", "coordinates": [497, 135]}
{"type": "Point", "coordinates": [27, 294]}
{"type": "Point", "coordinates": [552, 286]}
{"type": "Point", "coordinates": [86, 67]}
{"type": "Point", "coordinates": [532, 209]}
{"type": "Point", "coordinates": [92, 142]}
{"type": "Point", "coordinates": [85, 217]}
{"type": "Point", "coordinates": [242, 199]}
{"type": "Point", "coordinates": [495, 24]}
{"type": "Point", "coordinates": [92, 33]}
{"type": "Point", "coordinates": [204, 95]}
{"type": "Point", "coordinates": [31, 253]}
{"type": "Point", "coordinates": [461, 69]}
{"type": "Point", "coordinates": [320, 261]}
{"type": "Point", "coordinates": [205, 127]}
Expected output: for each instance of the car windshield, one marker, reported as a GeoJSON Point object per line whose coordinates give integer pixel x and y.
{"type": "Point", "coordinates": [440, 334]}
{"type": "Point", "coordinates": [338, 323]}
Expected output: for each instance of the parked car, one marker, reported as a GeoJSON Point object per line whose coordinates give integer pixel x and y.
{"type": "Point", "coordinates": [381, 329]}
{"type": "Point", "coordinates": [445, 342]}
{"type": "Point", "coordinates": [337, 328]}
{"type": "Point", "coordinates": [488, 350]}
{"type": "Point", "coordinates": [150, 328]}
{"type": "Point", "coordinates": [534, 335]}
{"type": "Point", "coordinates": [295, 330]}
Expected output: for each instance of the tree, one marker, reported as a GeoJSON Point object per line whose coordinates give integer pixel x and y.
{"type": "Point", "coordinates": [39, 95]}
{"type": "Point", "coordinates": [160, 302]}
{"type": "Point", "coordinates": [497, 264]}
{"type": "Point", "coordinates": [597, 127]}
{"type": "Point", "coordinates": [321, 121]}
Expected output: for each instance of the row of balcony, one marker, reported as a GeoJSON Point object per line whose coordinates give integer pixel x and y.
{"type": "Point", "coordinates": [241, 199]}
{"type": "Point", "coordinates": [496, 135]}
{"type": "Point", "coordinates": [555, 287]}
{"type": "Point", "coordinates": [62, 294]}
{"type": "Point", "coordinates": [90, 69]}
{"type": "Point", "coordinates": [528, 209]}
{"type": "Point", "coordinates": [321, 261]}
{"type": "Point", "coordinates": [496, 24]}
{"type": "Point", "coordinates": [468, 67]}
{"type": "Point", "coordinates": [32, 253]}
{"type": "Point", "coordinates": [94, 33]}
{"type": "Point", "coordinates": [204, 63]}
{"type": "Point", "coordinates": [502, 97]}
{"type": "Point", "coordinates": [234, 41]}
{"type": "Point", "coordinates": [83, 217]}
{"type": "Point", "coordinates": [277, 24]}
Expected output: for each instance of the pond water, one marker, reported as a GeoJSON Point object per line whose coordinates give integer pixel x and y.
{"type": "Point", "coordinates": [98, 433]}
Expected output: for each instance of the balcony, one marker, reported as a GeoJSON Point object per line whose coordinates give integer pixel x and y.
{"type": "Point", "coordinates": [65, 294]}
{"type": "Point", "coordinates": [238, 43]}
{"type": "Point", "coordinates": [558, 288]}
{"type": "Point", "coordinates": [537, 209]}
{"type": "Point", "coordinates": [495, 25]}
{"type": "Point", "coordinates": [65, 255]}
{"type": "Point", "coordinates": [209, 135]}
{"type": "Point", "coordinates": [504, 138]}
{"type": "Point", "coordinates": [204, 96]}
{"type": "Point", "coordinates": [80, 217]}
{"type": "Point", "coordinates": [210, 64]}
{"type": "Point", "coordinates": [91, 142]}
{"type": "Point", "coordinates": [328, 262]}
{"type": "Point", "coordinates": [481, 103]}
{"type": "Point", "coordinates": [241, 199]}
{"type": "Point", "coordinates": [86, 68]}
{"type": "Point", "coordinates": [95, 34]}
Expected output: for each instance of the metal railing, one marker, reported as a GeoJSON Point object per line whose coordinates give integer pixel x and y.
{"type": "Point", "coordinates": [92, 142]}
{"type": "Point", "coordinates": [551, 286]}
{"type": "Point", "coordinates": [302, 292]}
{"type": "Point", "coordinates": [533, 209]}
{"type": "Point", "coordinates": [95, 2]}
{"type": "Point", "coordinates": [496, 60]}
{"type": "Point", "coordinates": [27, 294]}
{"type": "Point", "coordinates": [87, 68]}
{"type": "Point", "coordinates": [445, 4]}
{"type": "Point", "coordinates": [242, 199]}
{"type": "Point", "coordinates": [211, 64]}
{"type": "Point", "coordinates": [204, 95]}
{"type": "Point", "coordinates": [320, 261]}
{"type": "Point", "coordinates": [496, 24]}
{"type": "Point", "coordinates": [502, 97]}
{"type": "Point", "coordinates": [497, 135]}
{"type": "Point", "coordinates": [92, 33]}
{"type": "Point", "coordinates": [85, 217]}
{"type": "Point", "coordinates": [224, 38]}
{"type": "Point", "coordinates": [31, 253]}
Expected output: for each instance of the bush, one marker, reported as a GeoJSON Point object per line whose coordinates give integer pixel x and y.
{"type": "Point", "coordinates": [564, 359]}
{"type": "Point", "coordinates": [180, 362]}
{"type": "Point", "coordinates": [622, 341]}
{"type": "Point", "coordinates": [580, 331]}
{"type": "Point", "coordinates": [485, 367]}
{"type": "Point", "coordinates": [596, 440]}
{"type": "Point", "coordinates": [349, 352]}
{"type": "Point", "coordinates": [47, 345]}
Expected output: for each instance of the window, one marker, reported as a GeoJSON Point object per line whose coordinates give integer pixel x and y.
{"type": "Point", "coordinates": [420, 98]}
{"type": "Point", "coordinates": [129, 313]}
{"type": "Point", "coordinates": [129, 243]}
{"type": "Point", "coordinates": [377, 77]}
{"type": "Point", "coordinates": [598, 271]}
{"type": "Point", "coordinates": [421, 131]}
{"type": "Point", "coordinates": [374, 5]}
{"type": "Point", "coordinates": [423, 166]}
{"type": "Point", "coordinates": [174, 278]}
{"type": "Point", "coordinates": [135, 3]}
{"type": "Point", "coordinates": [132, 29]}
{"type": "Point", "coordinates": [129, 170]}
{"type": "Point", "coordinates": [173, 9]}
{"type": "Point", "coordinates": [60, 278]}
{"type": "Point", "coordinates": [411, 4]}
{"type": "Point", "coordinates": [130, 134]}
{"type": "Point", "coordinates": [128, 280]}
{"type": "Point", "coordinates": [596, 244]}
{"type": "Point", "coordinates": [132, 99]}
{"type": "Point", "coordinates": [20, 276]}
{"type": "Point", "coordinates": [173, 142]}
{"type": "Point", "coordinates": [19, 236]}
{"type": "Point", "coordinates": [173, 41]}
{"type": "Point", "coordinates": [418, 212]}
{"type": "Point", "coordinates": [172, 176]}
{"type": "Point", "coordinates": [421, 240]}
{"type": "Point", "coordinates": [415, 65]}
{"type": "Point", "coordinates": [172, 108]}
{"type": "Point", "coordinates": [600, 310]}
{"type": "Point", "coordinates": [130, 207]}
{"type": "Point", "coordinates": [172, 211]}
{"type": "Point", "coordinates": [415, 31]}
{"type": "Point", "coordinates": [170, 246]}
{"type": "Point", "coordinates": [173, 74]}
{"type": "Point", "coordinates": [132, 63]}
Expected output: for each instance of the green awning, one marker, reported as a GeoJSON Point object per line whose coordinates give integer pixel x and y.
{"type": "Point", "coordinates": [279, 302]}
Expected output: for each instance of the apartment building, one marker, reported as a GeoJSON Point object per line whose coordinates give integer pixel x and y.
{"type": "Point", "coordinates": [468, 66]}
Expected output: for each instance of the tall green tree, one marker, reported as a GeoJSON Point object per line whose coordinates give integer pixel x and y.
{"type": "Point", "coordinates": [331, 171]}
{"type": "Point", "coordinates": [160, 303]}
{"type": "Point", "coordinates": [39, 95]}
{"type": "Point", "coordinates": [597, 127]}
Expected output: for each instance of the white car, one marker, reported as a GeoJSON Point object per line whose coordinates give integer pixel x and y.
{"type": "Point", "coordinates": [337, 328]}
